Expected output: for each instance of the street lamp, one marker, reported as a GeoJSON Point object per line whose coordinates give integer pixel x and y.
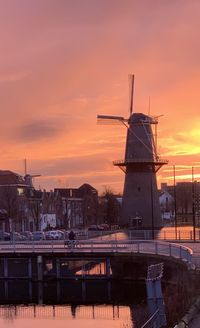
{"type": "Point", "coordinates": [152, 211]}
{"type": "Point", "coordinates": [193, 205]}
{"type": "Point", "coordinates": [175, 217]}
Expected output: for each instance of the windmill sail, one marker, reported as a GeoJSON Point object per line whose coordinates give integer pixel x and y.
{"type": "Point", "coordinates": [108, 119]}
{"type": "Point", "coordinates": [131, 85]}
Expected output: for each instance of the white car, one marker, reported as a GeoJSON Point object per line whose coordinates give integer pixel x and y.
{"type": "Point", "coordinates": [54, 234]}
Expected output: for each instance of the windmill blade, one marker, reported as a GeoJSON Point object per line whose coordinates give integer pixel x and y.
{"type": "Point", "coordinates": [108, 119]}
{"type": "Point", "coordinates": [157, 116]}
{"type": "Point", "coordinates": [131, 91]}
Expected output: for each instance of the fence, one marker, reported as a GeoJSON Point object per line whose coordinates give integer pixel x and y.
{"type": "Point", "coordinates": [167, 233]}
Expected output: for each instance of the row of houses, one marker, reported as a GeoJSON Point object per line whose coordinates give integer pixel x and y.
{"type": "Point", "coordinates": [183, 199]}
{"type": "Point", "coordinates": [23, 208]}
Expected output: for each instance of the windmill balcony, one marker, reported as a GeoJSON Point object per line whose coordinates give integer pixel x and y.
{"type": "Point", "coordinates": [124, 162]}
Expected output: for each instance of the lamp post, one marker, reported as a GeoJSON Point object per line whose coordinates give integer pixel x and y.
{"type": "Point", "coordinates": [175, 217]}
{"type": "Point", "coordinates": [193, 206]}
{"type": "Point", "coordinates": [152, 211]}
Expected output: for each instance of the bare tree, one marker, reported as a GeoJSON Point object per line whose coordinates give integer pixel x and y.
{"type": "Point", "coordinates": [35, 210]}
{"type": "Point", "coordinates": [111, 206]}
{"type": "Point", "coordinates": [9, 202]}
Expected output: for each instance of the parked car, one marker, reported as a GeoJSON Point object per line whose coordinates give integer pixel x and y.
{"type": "Point", "coordinates": [16, 236]}
{"type": "Point", "coordinates": [54, 234]}
{"type": "Point", "coordinates": [4, 235]}
{"type": "Point", "coordinates": [38, 235]}
{"type": "Point", "coordinates": [95, 227]}
{"type": "Point", "coordinates": [27, 234]}
{"type": "Point", "coordinates": [104, 226]}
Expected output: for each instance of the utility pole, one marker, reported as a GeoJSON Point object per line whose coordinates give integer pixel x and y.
{"type": "Point", "coordinates": [175, 216]}
{"type": "Point", "coordinates": [152, 211]}
{"type": "Point", "coordinates": [193, 205]}
{"type": "Point", "coordinates": [25, 166]}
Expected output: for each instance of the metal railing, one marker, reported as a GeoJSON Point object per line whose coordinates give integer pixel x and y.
{"type": "Point", "coordinates": [101, 246]}
{"type": "Point", "coordinates": [152, 322]}
{"type": "Point", "coordinates": [169, 234]}
{"type": "Point", "coordinates": [140, 160]}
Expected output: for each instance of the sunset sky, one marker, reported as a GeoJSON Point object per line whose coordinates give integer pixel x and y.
{"type": "Point", "coordinates": [65, 61]}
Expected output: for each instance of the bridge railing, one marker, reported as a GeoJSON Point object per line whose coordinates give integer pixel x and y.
{"type": "Point", "coordinates": [102, 246]}
{"type": "Point", "coordinates": [153, 321]}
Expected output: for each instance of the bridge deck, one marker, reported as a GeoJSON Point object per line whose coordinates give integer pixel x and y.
{"type": "Point", "coordinates": [84, 247]}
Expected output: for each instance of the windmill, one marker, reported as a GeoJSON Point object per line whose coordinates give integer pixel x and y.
{"type": "Point", "coordinates": [140, 203]}
{"type": "Point", "coordinates": [29, 177]}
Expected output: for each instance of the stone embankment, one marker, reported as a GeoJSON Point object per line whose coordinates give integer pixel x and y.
{"type": "Point", "coordinates": [192, 318]}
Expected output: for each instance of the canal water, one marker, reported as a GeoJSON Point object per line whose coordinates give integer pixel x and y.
{"type": "Point", "coordinates": [72, 304]}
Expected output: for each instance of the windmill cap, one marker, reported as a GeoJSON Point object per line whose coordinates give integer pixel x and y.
{"type": "Point", "coordinates": [141, 118]}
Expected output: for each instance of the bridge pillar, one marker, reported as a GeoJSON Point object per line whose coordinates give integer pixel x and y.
{"type": "Point", "coordinates": [58, 268]}
{"type": "Point", "coordinates": [58, 291]}
{"type": "Point", "coordinates": [40, 267]}
{"type": "Point", "coordinates": [109, 290]}
{"type": "Point", "coordinates": [6, 289]}
{"type": "Point", "coordinates": [83, 290]}
{"type": "Point", "coordinates": [5, 267]}
{"type": "Point", "coordinates": [30, 291]}
{"type": "Point", "coordinates": [108, 267]}
{"type": "Point", "coordinates": [29, 268]}
{"type": "Point", "coordinates": [40, 293]}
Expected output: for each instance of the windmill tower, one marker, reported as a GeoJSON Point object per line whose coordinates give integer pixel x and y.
{"type": "Point", "coordinates": [140, 204]}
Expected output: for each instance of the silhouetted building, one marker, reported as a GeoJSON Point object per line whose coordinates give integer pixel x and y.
{"type": "Point", "coordinates": [79, 206]}
{"type": "Point", "coordinates": [13, 192]}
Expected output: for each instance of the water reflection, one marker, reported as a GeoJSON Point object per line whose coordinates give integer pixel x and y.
{"type": "Point", "coordinates": [74, 267]}
{"type": "Point", "coordinates": [105, 304]}
{"type": "Point", "coordinates": [83, 303]}
{"type": "Point", "coordinates": [74, 291]}
{"type": "Point", "coordinates": [106, 316]}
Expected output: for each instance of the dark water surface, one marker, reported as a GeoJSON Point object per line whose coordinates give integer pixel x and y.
{"type": "Point", "coordinates": [72, 303]}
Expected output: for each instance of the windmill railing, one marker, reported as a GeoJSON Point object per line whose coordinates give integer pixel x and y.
{"type": "Point", "coordinates": [141, 160]}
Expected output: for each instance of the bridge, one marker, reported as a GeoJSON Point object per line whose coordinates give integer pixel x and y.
{"type": "Point", "coordinates": [103, 259]}
{"type": "Point", "coordinates": [100, 246]}
{"type": "Point", "coordinates": [91, 259]}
